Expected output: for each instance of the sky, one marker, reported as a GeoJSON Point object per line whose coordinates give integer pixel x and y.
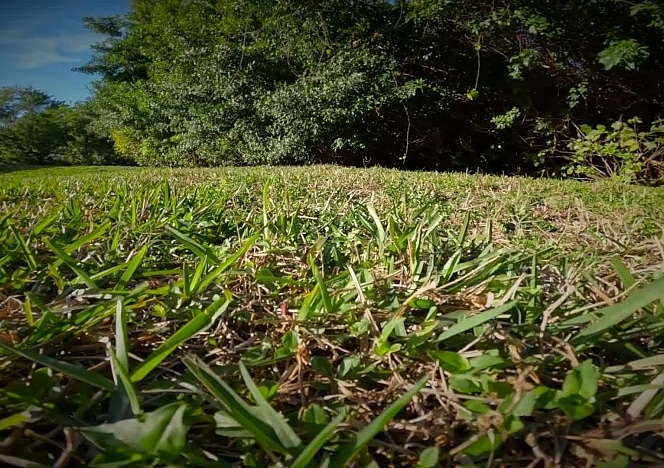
{"type": "Point", "coordinates": [42, 40]}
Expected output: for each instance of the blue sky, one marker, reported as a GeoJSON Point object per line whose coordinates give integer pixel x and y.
{"type": "Point", "coordinates": [42, 40]}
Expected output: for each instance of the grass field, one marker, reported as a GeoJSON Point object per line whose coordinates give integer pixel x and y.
{"type": "Point", "coordinates": [323, 316]}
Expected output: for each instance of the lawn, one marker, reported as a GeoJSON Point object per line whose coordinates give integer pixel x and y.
{"type": "Point", "coordinates": [324, 316]}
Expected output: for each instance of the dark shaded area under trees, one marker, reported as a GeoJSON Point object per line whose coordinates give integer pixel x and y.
{"type": "Point", "coordinates": [534, 86]}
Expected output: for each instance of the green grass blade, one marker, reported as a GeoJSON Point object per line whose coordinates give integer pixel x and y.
{"type": "Point", "coordinates": [616, 313]}
{"type": "Point", "coordinates": [322, 287]}
{"type": "Point", "coordinates": [379, 225]}
{"type": "Point", "coordinates": [125, 390]}
{"type": "Point", "coordinates": [125, 394]}
{"type": "Point", "coordinates": [81, 241]}
{"type": "Point", "coordinates": [229, 262]}
{"type": "Point", "coordinates": [266, 205]}
{"type": "Point", "coordinates": [235, 405]}
{"type": "Point", "coordinates": [108, 272]}
{"type": "Point", "coordinates": [623, 272]}
{"type": "Point", "coordinates": [284, 432]}
{"type": "Point", "coordinates": [29, 256]}
{"type": "Point", "coordinates": [186, 280]}
{"type": "Point", "coordinates": [132, 266]}
{"type": "Point", "coordinates": [71, 263]}
{"type": "Point", "coordinates": [433, 223]}
{"type": "Point", "coordinates": [476, 320]}
{"type": "Point", "coordinates": [198, 274]}
{"type": "Point", "coordinates": [450, 267]}
{"type": "Point", "coordinates": [198, 324]}
{"type": "Point", "coordinates": [192, 245]}
{"type": "Point", "coordinates": [71, 370]}
{"type": "Point", "coordinates": [121, 334]}
{"type": "Point", "coordinates": [364, 437]}
{"type": "Point", "coordinates": [464, 230]}
{"type": "Point", "coordinates": [29, 315]}
{"type": "Point", "coordinates": [45, 223]}
{"type": "Point", "coordinates": [307, 304]}
{"type": "Point", "coordinates": [306, 456]}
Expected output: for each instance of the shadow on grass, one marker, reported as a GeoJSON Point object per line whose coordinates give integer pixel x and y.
{"type": "Point", "coordinates": [8, 168]}
{"type": "Point", "coordinates": [50, 169]}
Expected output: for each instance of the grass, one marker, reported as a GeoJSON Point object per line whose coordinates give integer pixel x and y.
{"type": "Point", "coordinates": [323, 316]}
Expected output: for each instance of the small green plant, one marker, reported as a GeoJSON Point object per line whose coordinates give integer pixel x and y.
{"type": "Point", "coordinates": [507, 119]}
{"type": "Point", "coordinates": [626, 53]}
{"type": "Point", "coordinates": [620, 152]}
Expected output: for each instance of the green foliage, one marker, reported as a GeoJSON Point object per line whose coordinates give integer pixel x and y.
{"type": "Point", "coordinates": [35, 129]}
{"type": "Point", "coordinates": [418, 84]}
{"type": "Point", "coordinates": [507, 119]}
{"type": "Point", "coordinates": [621, 152]}
{"type": "Point", "coordinates": [628, 54]}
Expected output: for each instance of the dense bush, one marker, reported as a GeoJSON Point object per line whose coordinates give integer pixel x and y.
{"type": "Point", "coordinates": [621, 151]}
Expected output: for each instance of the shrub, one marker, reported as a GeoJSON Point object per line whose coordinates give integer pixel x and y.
{"type": "Point", "coordinates": [621, 152]}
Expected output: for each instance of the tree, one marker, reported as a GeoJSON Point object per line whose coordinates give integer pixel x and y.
{"type": "Point", "coordinates": [36, 129]}
{"type": "Point", "coordinates": [419, 83]}
{"type": "Point", "coordinates": [16, 102]}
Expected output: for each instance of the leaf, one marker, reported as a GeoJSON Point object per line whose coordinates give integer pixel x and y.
{"type": "Point", "coordinates": [576, 407]}
{"type": "Point", "coordinates": [322, 365]}
{"type": "Point", "coordinates": [161, 432]}
{"type": "Point", "coordinates": [526, 404]}
{"type": "Point", "coordinates": [322, 287]}
{"type": "Point", "coordinates": [429, 458]}
{"type": "Point", "coordinates": [450, 361]}
{"type": "Point", "coordinates": [379, 226]}
{"type": "Point", "coordinates": [71, 370]}
{"type": "Point", "coordinates": [194, 246]}
{"type": "Point", "coordinates": [463, 383]}
{"type": "Point", "coordinates": [198, 324]}
{"type": "Point", "coordinates": [476, 320]}
{"type": "Point", "coordinates": [476, 406]}
{"type": "Point", "coordinates": [14, 420]}
{"type": "Point", "coordinates": [29, 257]}
{"type": "Point", "coordinates": [284, 432]}
{"type": "Point", "coordinates": [235, 406]}
{"type": "Point", "coordinates": [623, 272]}
{"type": "Point", "coordinates": [485, 444]}
{"type": "Point", "coordinates": [72, 264]}
{"type": "Point", "coordinates": [229, 262]}
{"type": "Point", "coordinates": [132, 266]}
{"type": "Point", "coordinates": [307, 455]}
{"type": "Point", "coordinates": [364, 437]}
{"type": "Point", "coordinates": [125, 391]}
{"type": "Point", "coordinates": [616, 313]}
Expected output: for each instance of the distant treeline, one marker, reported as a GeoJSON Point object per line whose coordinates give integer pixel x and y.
{"type": "Point", "coordinates": [517, 85]}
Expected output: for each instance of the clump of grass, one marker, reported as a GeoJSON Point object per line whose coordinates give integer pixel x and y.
{"type": "Point", "coordinates": [328, 317]}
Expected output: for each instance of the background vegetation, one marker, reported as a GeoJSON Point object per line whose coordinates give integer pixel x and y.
{"type": "Point", "coordinates": [571, 88]}
{"type": "Point", "coordinates": [35, 129]}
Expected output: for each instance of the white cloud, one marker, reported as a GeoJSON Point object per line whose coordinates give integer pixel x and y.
{"type": "Point", "coordinates": [27, 50]}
